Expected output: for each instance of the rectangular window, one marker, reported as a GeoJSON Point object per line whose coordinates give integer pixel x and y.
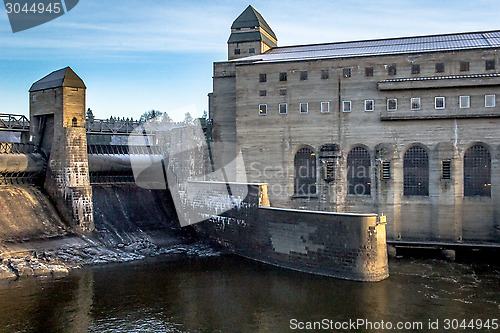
{"type": "Point", "coordinates": [369, 105]}
{"type": "Point", "coordinates": [392, 104]}
{"type": "Point", "coordinates": [282, 92]}
{"type": "Point", "coordinates": [33, 98]}
{"type": "Point", "coordinates": [262, 93]}
{"type": "Point", "coordinates": [283, 76]}
{"type": "Point", "coordinates": [346, 72]}
{"type": "Point", "coordinates": [464, 102]}
{"type": "Point", "coordinates": [304, 107]}
{"type": "Point", "coordinates": [446, 169]}
{"type": "Point", "coordinates": [251, 50]}
{"type": "Point", "coordinates": [237, 51]}
{"type": "Point", "coordinates": [464, 66]}
{"type": "Point", "coordinates": [262, 109]}
{"type": "Point", "coordinates": [325, 107]}
{"type": "Point", "coordinates": [386, 170]}
{"type": "Point", "coordinates": [369, 71]}
{"type": "Point", "coordinates": [490, 65]}
{"type": "Point", "coordinates": [346, 106]}
{"type": "Point", "coordinates": [415, 103]}
{"type": "Point", "coordinates": [439, 67]}
{"type": "Point", "coordinates": [262, 77]}
{"type": "Point", "coordinates": [489, 101]}
{"type": "Point", "coordinates": [283, 108]}
{"type": "Point", "coordinates": [325, 74]}
{"type": "Point", "coordinates": [415, 69]}
{"type": "Point", "coordinates": [391, 70]}
{"type": "Point", "coordinates": [303, 75]}
{"type": "Point", "coordinates": [439, 103]}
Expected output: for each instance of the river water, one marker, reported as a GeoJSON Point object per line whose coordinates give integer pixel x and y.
{"type": "Point", "coordinates": [226, 293]}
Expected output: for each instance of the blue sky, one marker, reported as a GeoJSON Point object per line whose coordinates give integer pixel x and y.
{"type": "Point", "coordinates": [138, 55]}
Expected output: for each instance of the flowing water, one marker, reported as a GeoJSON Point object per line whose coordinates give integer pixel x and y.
{"type": "Point", "coordinates": [229, 294]}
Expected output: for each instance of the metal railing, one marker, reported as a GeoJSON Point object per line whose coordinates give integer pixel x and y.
{"type": "Point", "coordinates": [14, 122]}
{"type": "Point", "coordinates": [123, 150]}
{"type": "Point", "coordinates": [16, 148]}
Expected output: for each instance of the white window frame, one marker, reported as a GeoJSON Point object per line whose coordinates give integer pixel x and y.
{"type": "Point", "coordinates": [260, 110]}
{"type": "Point", "coordinates": [307, 107]}
{"type": "Point", "coordinates": [344, 103]}
{"type": "Point", "coordinates": [396, 101]}
{"type": "Point", "coordinates": [286, 108]}
{"type": "Point", "coordinates": [435, 103]}
{"type": "Point", "coordinates": [486, 101]}
{"type": "Point", "coordinates": [33, 98]}
{"type": "Point", "coordinates": [373, 105]}
{"type": "Point", "coordinates": [327, 107]}
{"type": "Point", "coordinates": [464, 105]}
{"type": "Point", "coordinates": [419, 103]}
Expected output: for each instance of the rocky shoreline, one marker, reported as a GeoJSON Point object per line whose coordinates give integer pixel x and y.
{"type": "Point", "coordinates": [56, 258]}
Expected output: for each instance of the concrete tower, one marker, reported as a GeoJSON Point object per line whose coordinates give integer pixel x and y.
{"type": "Point", "coordinates": [250, 35]}
{"type": "Point", "coordinates": [57, 113]}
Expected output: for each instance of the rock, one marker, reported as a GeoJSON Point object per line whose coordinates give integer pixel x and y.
{"type": "Point", "coordinates": [391, 251]}
{"type": "Point", "coordinates": [24, 270]}
{"type": "Point", "coordinates": [41, 270]}
{"type": "Point", "coordinates": [6, 273]}
{"type": "Point", "coordinates": [448, 254]}
{"type": "Point", "coordinates": [58, 270]}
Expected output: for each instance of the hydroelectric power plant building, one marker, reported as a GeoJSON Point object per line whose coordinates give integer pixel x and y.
{"type": "Point", "coordinates": [405, 127]}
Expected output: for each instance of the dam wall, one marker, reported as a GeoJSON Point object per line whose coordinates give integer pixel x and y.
{"type": "Point", "coordinates": [341, 245]}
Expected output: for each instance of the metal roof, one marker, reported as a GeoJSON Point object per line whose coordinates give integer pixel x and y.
{"type": "Point", "coordinates": [392, 46]}
{"type": "Point", "coordinates": [251, 18]}
{"type": "Point", "coordinates": [64, 77]}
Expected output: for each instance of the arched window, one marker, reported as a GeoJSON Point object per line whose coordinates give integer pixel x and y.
{"type": "Point", "coordinates": [305, 172]}
{"type": "Point", "coordinates": [416, 171]}
{"type": "Point", "coordinates": [477, 172]}
{"type": "Point", "coordinates": [358, 171]}
{"type": "Point", "coordinates": [74, 122]}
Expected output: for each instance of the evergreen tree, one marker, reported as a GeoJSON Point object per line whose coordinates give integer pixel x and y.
{"type": "Point", "coordinates": [90, 115]}
{"type": "Point", "coordinates": [188, 119]}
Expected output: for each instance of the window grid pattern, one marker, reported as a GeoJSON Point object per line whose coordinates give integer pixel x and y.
{"type": "Point", "coordinates": [369, 105]}
{"type": "Point", "coordinates": [416, 172]}
{"type": "Point", "coordinates": [346, 106]}
{"type": "Point", "coordinates": [477, 172]}
{"type": "Point", "coordinates": [415, 69]}
{"type": "Point", "coordinates": [392, 104]}
{"type": "Point", "coordinates": [439, 103]}
{"type": "Point", "coordinates": [262, 109]}
{"type": "Point", "coordinates": [305, 172]}
{"type": "Point", "coordinates": [489, 101]}
{"type": "Point", "coordinates": [325, 107]}
{"type": "Point", "coordinates": [415, 104]}
{"type": "Point", "coordinates": [283, 108]}
{"type": "Point", "coordinates": [304, 107]}
{"type": "Point", "coordinates": [464, 102]}
{"type": "Point", "coordinates": [358, 171]}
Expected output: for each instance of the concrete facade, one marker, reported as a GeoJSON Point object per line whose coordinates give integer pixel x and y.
{"type": "Point", "coordinates": [441, 104]}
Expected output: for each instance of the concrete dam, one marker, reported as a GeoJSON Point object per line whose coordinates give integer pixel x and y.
{"type": "Point", "coordinates": [65, 179]}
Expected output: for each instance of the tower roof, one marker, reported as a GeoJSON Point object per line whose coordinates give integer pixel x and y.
{"type": "Point", "coordinates": [251, 18]}
{"type": "Point", "coordinates": [64, 77]}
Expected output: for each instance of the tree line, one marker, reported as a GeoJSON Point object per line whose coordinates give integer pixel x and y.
{"type": "Point", "coordinates": [147, 116]}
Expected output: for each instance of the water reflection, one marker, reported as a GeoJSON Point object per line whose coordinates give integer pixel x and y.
{"type": "Point", "coordinates": [230, 294]}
